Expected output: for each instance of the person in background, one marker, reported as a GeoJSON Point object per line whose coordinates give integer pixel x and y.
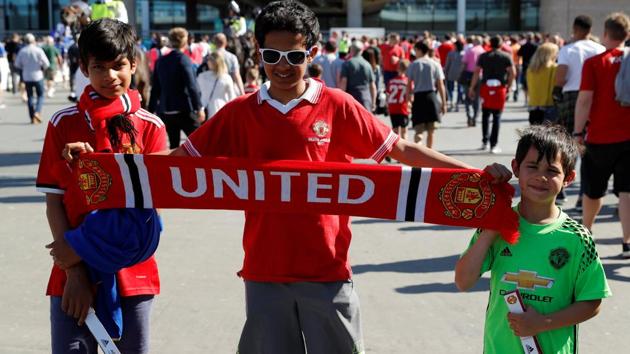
{"type": "Point", "coordinates": [397, 103]}
{"type": "Point", "coordinates": [216, 85]}
{"type": "Point", "coordinates": [220, 42]}
{"type": "Point", "coordinates": [371, 55]}
{"type": "Point", "coordinates": [568, 75]}
{"type": "Point", "coordinates": [32, 61]}
{"type": "Point", "coordinates": [251, 80]}
{"type": "Point", "coordinates": [392, 52]}
{"type": "Point", "coordinates": [326, 60]}
{"type": "Point", "coordinates": [453, 70]}
{"type": "Point", "coordinates": [55, 60]}
{"type": "Point", "coordinates": [607, 135]}
{"type": "Point", "coordinates": [161, 49]}
{"type": "Point", "coordinates": [526, 52]}
{"type": "Point", "coordinates": [314, 71]}
{"type": "Point", "coordinates": [175, 93]}
{"type": "Point", "coordinates": [357, 78]}
{"type": "Point", "coordinates": [425, 79]}
{"type": "Point", "coordinates": [13, 46]}
{"type": "Point", "coordinates": [470, 63]}
{"type": "Point", "coordinates": [541, 78]}
{"type": "Point", "coordinates": [495, 71]}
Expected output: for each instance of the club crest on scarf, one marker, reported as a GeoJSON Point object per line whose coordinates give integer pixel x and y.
{"type": "Point", "coordinates": [95, 182]}
{"type": "Point", "coordinates": [466, 195]}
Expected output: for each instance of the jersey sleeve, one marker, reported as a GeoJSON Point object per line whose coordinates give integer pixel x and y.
{"type": "Point", "coordinates": [219, 136]}
{"type": "Point", "coordinates": [489, 258]}
{"type": "Point", "coordinates": [591, 281]}
{"type": "Point", "coordinates": [364, 136]}
{"type": "Point", "coordinates": [47, 181]}
{"type": "Point", "coordinates": [588, 76]}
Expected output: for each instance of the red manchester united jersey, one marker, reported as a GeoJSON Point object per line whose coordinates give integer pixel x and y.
{"type": "Point", "coordinates": [67, 126]}
{"type": "Point", "coordinates": [396, 95]}
{"type": "Point", "coordinates": [323, 125]}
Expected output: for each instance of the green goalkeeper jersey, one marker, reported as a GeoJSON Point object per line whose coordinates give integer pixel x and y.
{"type": "Point", "coordinates": [553, 265]}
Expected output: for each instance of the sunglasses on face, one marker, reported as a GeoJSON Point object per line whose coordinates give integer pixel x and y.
{"type": "Point", "coordinates": [293, 57]}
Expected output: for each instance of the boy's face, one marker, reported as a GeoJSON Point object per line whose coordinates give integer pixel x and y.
{"type": "Point", "coordinates": [109, 78]}
{"type": "Point", "coordinates": [541, 181]}
{"type": "Point", "coordinates": [282, 75]}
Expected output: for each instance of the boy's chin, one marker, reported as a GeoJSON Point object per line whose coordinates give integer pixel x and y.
{"type": "Point", "coordinates": [111, 93]}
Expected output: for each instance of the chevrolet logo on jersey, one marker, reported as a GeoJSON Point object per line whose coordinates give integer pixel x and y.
{"type": "Point", "coordinates": [527, 280]}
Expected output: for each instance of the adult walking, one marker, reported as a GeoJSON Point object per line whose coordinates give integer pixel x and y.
{"type": "Point", "coordinates": [453, 68]}
{"type": "Point", "coordinates": [607, 135]}
{"type": "Point", "coordinates": [357, 78]}
{"type": "Point", "coordinates": [175, 93]}
{"type": "Point", "coordinates": [12, 47]}
{"type": "Point", "coordinates": [496, 72]}
{"type": "Point", "coordinates": [32, 61]}
{"type": "Point", "coordinates": [425, 79]}
{"type": "Point", "coordinates": [233, 66]}
{"type": "Point", "coordinates": [568, 76]}
{"type": "Point", "coordinates": [471, 55]}
{"type": "Point", "coordinates": [541, 78]}
{"type": "Point", "coordinates": [216, 85]}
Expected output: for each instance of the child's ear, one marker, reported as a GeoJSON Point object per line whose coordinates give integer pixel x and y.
{"type": "Point", "coordinates": [313, 53]}
{"type": "Point", "coordinates": [133, 66]}
{"type": "Point", "coordinates": [515, 167]}
{"type": "Point", "coordinates": [569, 178]}
{"type": "Point", "coordinates": [84, 69]}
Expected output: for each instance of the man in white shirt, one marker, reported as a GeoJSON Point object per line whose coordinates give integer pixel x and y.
{"type": "Point", "coordinates": [220, 42]}
{"type": "Point", "coordinates": [326, 59]}
{"type": "Point", "coordinates": [569, 73]}
{"type": "Point", "coordinates": [33, 61]}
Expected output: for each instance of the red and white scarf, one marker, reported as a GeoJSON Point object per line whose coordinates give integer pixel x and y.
{"type": "Point", "coordinates": [455, 197]}
{"type": "Point", "coordinates": [99, 110]}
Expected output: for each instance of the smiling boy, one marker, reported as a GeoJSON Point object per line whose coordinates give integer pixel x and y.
{"type": "Point", "coordinates": [107, 49]}
{"type": "Point", "coordinates": [299, 293]}
{"type": "Point", "coordinates": [554, 265]}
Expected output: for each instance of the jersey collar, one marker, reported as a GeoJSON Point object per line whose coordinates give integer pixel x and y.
{"type": "Point", "coordinates": [312, 94]}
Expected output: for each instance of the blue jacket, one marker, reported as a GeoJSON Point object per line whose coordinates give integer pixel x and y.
{"type": "Point", "coordinates": [174, 87]}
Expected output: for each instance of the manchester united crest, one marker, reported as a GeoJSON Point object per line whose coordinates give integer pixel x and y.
{"type": "Point", "coordinates": [94, 181]}
{"type": "Point", "coordinates": [512, 299]}
{"type": "Point", "coordinates": [467, 196]}
{"type": "Point", "coordinates": [321, 128]}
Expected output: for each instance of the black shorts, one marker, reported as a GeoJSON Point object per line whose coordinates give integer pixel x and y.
{"type": "Point", "coordinates": [425, 108]}
{"type": "Point", "coordinates": [600, 161]}
{"type": "Point", "coordinates": [399, 120]}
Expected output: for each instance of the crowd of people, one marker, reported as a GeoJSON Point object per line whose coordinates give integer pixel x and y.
{"type": "Point", "coordinates": [216, 89]}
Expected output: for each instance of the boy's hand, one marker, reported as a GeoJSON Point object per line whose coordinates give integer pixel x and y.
{"type": "Point", "coordinates": [499, 172]}
{"type": "Point", "coordinates": [62, 254]}
{"type": "Point", "coordinates": [72, 150]}
{"type": "Point", "coordinates": [201, 116]}
{"type": "Point", "coordinates": [78, 293]}
{"type": "Point", "coordinates": [528, 323]}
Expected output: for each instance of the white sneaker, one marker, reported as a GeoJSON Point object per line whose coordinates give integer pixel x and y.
{"type": "Point", "coordinates": [496, 150]}
{"type": "Point", "coordinates": [485, 147]}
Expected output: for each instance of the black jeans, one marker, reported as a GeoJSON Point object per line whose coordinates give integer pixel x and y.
{"type": "Point", "coordinates": [176, 123]}
{"type": "Point", "coordinates": [493, 137]}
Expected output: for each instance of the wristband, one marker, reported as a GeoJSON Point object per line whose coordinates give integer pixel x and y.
{"type": "Point", "coordinates": [576, 134]}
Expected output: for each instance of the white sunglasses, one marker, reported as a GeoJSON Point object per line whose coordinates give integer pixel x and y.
{"type": "Point", "coordinates": [293, 57]}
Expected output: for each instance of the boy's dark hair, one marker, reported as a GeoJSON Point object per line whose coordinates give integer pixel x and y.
{"type": "Point", "coordinates": [548, 140]}
{"type": "Point", "coordinates": [315, 70]}
{"type": "Point", "coordinates": [291, 16]}
{"type": "Point", "coordinates": [107, 39]}
{"type": "Point", "coordinates": [330, 46]}
{"type": "Point", "coordinates": [583, 22]}
{"type": "Point", "coordinates": [617, 26]}
{"type": "Point", "coordinates": [422, 46]}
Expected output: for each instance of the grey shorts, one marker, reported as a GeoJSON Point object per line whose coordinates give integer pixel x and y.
{"type": "Point", "coordinates": [295, 318]}
{"type": "Point", "coordinates": [68, 337]}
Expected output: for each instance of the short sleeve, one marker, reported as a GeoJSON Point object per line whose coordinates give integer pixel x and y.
{"type": "Point", "coordinates": [363, 135]}
{"type": "Point", "coordinates": [563, 56]}
{"type": "Point", "coordinates": [591, 281]}
{"type": "Point", "coordinates": [489, 258]}
{"type": "Point", "coordinates": [588, 76]}
{"type": "Point", "coordinates": [47, 181]}
{"type": "Point", "coordinates": [344, 70]}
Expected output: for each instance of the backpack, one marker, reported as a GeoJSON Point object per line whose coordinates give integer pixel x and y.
{"type": "Point", "coordinates": [622, 81]}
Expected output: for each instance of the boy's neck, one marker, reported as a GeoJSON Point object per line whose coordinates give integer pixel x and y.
{"type": "Point", "coordinates": [536, 213]}
{"type": "Point", "coordinates": [284, 96]}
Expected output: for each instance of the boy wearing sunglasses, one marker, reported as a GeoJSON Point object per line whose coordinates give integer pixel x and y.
{"type": "Point", "coordinates": [299, 293]}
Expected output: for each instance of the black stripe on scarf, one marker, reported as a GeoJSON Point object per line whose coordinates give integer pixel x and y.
{"type": "Point", "coordinates": [412, 194]}
{"type": "Point", "coordinates": [135, 181]}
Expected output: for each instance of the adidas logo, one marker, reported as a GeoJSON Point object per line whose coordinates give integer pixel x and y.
{"type": "Point", "coordinates": [506, 252]}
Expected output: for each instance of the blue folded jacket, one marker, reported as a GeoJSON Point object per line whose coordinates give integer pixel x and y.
{"type": "Point", "coordinates": [107, 241]}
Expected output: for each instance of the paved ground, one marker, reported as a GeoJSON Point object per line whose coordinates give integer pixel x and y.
{"type": "Point", "coordinates": [403, 271]}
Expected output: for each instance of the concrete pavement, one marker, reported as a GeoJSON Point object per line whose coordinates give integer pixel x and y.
{"type": "Point", "coordinates": [403, 271]}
